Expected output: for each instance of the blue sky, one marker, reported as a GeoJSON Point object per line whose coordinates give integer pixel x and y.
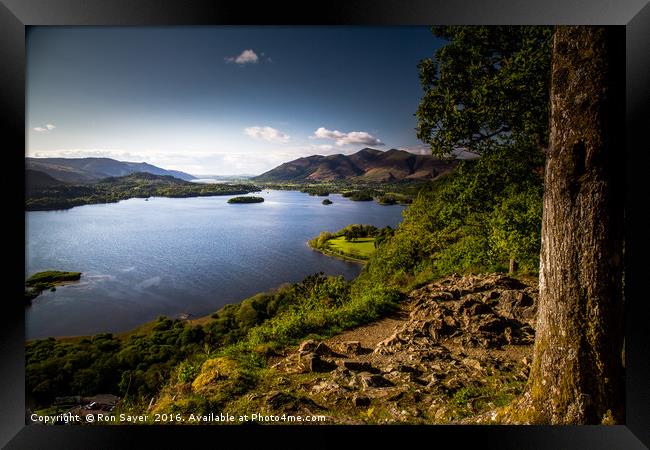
{"type": "Point", "coordinates": [222, 100]}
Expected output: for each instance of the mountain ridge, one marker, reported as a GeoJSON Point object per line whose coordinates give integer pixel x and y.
{"type": "Point", "coordinates": [367, 164]}
{"type": "Point", "coordinates": [92, 169]}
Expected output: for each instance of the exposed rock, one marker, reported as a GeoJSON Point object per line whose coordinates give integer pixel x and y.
{"type": "Point", "coordinates": [407, 369]}
{"type": "Point", "coordinates": [395, 396]}
{"type": "Point", "coordinates": [311, 346]}
{"type": "Point", "coordinates": [441, 414]}
{"type": "Point", "coordinates": [351, 348]}
{"type": "Point", "coordinates": [358, 366]}
{"type": "Point", "coordinates": [317, 364]}
{"type": "Point", "coordinates": [478, 311]}
{"type": "Point", "coordinates": [327, 387]}
{"type": "Point", "coordinates": [341, 374]}
{"type": "Point", "coordinates": [517, 305]}
{"type": "Point", "coordinates": [454, 383]}
{"type": "Point", "coordinates": [473, 363]}
{"type": "Point", "coordinates": [307, 346]}
{"type": "Point", "coordinates": [374, 381]}
{"type": "Point", "coordinates": [360, 400]}
{"type": "Point", "coordinates": [283, 401]}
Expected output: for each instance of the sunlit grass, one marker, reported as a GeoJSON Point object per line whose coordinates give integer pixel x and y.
{"type": "Point", "coordinates": [361, 247]}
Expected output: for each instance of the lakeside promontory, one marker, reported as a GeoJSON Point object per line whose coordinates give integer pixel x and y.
{"type": "Point", "coordinates": [49, 279]}
{"type": "Point", "coordinates": [355, 242]}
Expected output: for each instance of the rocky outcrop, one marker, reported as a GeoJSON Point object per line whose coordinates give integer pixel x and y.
{"type": "Point", "coordinates": [465, 339]}
{"type": "Point", "coordinates": [476, 312]}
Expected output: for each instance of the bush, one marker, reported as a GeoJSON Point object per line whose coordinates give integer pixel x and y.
{"type": "Point", "coordinates": [137, 366]}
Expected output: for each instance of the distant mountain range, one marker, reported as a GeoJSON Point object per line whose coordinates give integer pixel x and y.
{"type": "Point", "coordinates": [367, 165]}
{"type": "Point", "coordinates": [47, 171]}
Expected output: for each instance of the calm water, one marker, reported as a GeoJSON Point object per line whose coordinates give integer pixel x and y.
{"type": "Point", "coordinates": [141, 259]}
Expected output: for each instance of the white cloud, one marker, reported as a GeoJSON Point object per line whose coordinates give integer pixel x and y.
{"type": "Point", "coordinates": [245, 57]}
{"type": "Point", "coordinates": [352, 137]}
{"type": "Point", "coordinates": [119, 154]}
{"type": "Point", "coordinates": [267, 134]}
{"type": "Point", "coordinates": [421, 149]}
{"type": "Point", "coordinates": [324, 133]}
{"type": "Point", "coordinates": [48, 127]}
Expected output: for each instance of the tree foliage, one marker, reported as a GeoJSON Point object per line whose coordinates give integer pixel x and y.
{"type": "Point", "coordinates": [488, 86]}
{"type": "Point", "coordinates": [137, 366]}
{"type": "Point", "coordinates": [472, 220]}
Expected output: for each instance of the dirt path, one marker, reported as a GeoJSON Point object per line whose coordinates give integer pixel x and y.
{"type": "Point", "coordinates": [375, 332]}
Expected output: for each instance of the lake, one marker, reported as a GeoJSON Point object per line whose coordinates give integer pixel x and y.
{"type": "Point", "coordinates": [144, 258]}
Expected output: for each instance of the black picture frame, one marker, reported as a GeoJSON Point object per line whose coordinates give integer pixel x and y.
{"type": "Point", "coordinates": [16, 15]}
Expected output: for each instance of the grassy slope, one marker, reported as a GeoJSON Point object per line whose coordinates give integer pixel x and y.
{"type": "Point", "coordinates": [359, 248]}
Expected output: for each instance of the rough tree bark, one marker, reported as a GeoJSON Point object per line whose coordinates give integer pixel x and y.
{"type": "Point", "coordinates": [577, 373]}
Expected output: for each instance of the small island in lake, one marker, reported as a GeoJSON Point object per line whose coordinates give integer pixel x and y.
{"type": "Point", "coordinates": [246, 200]}
{"type": "Point", "coordinates": [49, 279]}
{"type": "Point", "coordinates": [327, 201]}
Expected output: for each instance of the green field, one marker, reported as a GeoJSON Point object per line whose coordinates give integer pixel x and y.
{"type": "Point", "coordinates": [361, 248]}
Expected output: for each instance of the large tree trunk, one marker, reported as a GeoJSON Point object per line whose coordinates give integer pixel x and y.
{"type": "Point", "coordinates": [577, 373]}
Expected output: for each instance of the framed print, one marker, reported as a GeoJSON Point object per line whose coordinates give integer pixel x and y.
{"type": "Point", "coordinates": [343, 219]}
